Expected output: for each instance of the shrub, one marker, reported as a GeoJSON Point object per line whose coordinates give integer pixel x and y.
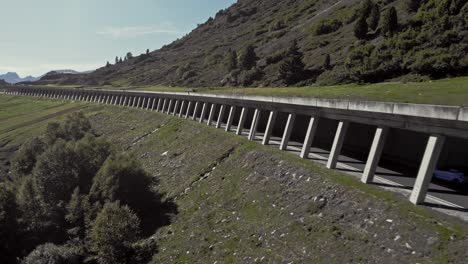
{"type": "Point", "coordinates": [326, 26]}
{"type": "Point", "coordinates": [56, 172]}
{"type": "Point", "coordinates": [8, 224]}
{"type": "Point", "coordinates": [249, 77]}
{"type": "Point", "coordinates": [52, 254]}
{"type": "Point", "coordinates": [123, 178]}
{"type": "Point", "coordinates": [115, 230]}
{"type": "Point", "coordinates": [23, 162]}
{"type": "Point", "coordinates": [374, 18]}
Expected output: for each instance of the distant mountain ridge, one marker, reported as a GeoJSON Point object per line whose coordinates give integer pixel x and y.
{"type": "Point", "coordinates": [13, 77]}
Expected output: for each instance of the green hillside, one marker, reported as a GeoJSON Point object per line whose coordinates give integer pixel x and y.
{"type": "Point", "coordinates": [240, 202]}
{"type": "Point", "coordinates": [338, 41]}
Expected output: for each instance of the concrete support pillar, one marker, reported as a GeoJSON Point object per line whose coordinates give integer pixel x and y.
{"type": "Point", "coordinates": [220, 116]}
{"type": "Point", "coordinates": [187, 111]}
{"type": "Point", "coordinates": [182, 107]}
{"type": "Point", "coordinates": [159, 104]}
{"type": "Point", "coordinates": [243, 115]}
{"type": "Point", "coordinates": [232, 113]}
{"type": "Point", "coordinates": [153, 106]}
{"type": "Point", "coordinates": [374, 154]}
{"type": "Point", "coordinates": [149, 104]}
{"type": "Point", "coordinates": [138, 102]}
{"type": "Point", "coordinates": [171, 102]}
{"type": "Point", "coordinates": [253, 127]}
{"type": "Point", "coordinates": [287, 131]}
{"type": "Point", "coordinates": [143, 103]}
{"type": "Point", "coordinates": [203, 112]}
{"type": "Point", "coordinates": [337, 144]}
{"type": "Point", "coordinates": [195, 110]}
{"type": "Point", "coordinates": [269, 127]}
{"type": "Point", "coordinates": [309, 138]}
{"type": "Point", "coordinates": [434, 146]}
{"type": "Point", "coordinates": [212, 113]}
{"type": "Point", "coordinates": [176, 108]}
{"type": "Point", "coordinates": [164, 105]}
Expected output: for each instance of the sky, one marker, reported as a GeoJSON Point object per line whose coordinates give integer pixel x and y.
{"type": "Point", "coordinates": [40, 36]}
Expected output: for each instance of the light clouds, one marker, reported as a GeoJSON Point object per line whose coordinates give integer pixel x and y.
{"type": "Point", "coordinates": [37, 69]}
{"type": "Point", "coordinates": [137, 31]}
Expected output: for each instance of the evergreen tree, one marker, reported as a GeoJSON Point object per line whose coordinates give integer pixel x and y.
{"type": "Point", "coordinates": [390, 22]}
{"type": "Point", "coordinates": [361, 28]}
{"type": "Point", "coordinates": [412, 5]}
{"type": "Point", "coordinates": [8, 225]}
{"type": "Point", "coordinates": [366, 8]}
{"type": "Point", "coordinates": [129, 55]}
{"type": "Point", "coordinates": [327, 62]}
{"type": "Point", "coordinates": [291, 69]}
{"type": "Point", "coordinates": [116, 60]}
{"type": "Point", "coordinates": [108, 64]}
{"type": "Point", "coordinates": [120, 60]}
{"type": "Point", "coordinates": [231, 60]}
{"type": "Point", "coordinates": [374, 18]}
{"type": "Point", "coordinates": [76, 215]}
{"type": "Point", "coordinates": [248, 58]}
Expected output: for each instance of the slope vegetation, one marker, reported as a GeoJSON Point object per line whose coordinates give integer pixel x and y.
{"type": "Point", "coordinates": [341, 41]}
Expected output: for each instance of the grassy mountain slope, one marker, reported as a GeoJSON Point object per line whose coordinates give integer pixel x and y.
{"type": "Point", "coordinates": [430, 40]}
{"type": "Point", "coordinates": [240, 202]}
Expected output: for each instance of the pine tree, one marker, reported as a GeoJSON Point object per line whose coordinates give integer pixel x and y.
{"type": "Point", "coordinates": [374, 17]}
{"type": "Point", "coordinates": [108, 64]}
{"type": "Point", "coordinates": [129, 55]}
{"type": "Point", "coordinates": [327, 62]}
{"type": "Point", "coordinates": [412, 5]}
{"type": "Point", "coordinates": [116, 60]}
{"type": "Point", "coordinates": [147, 51]}
{"type": "Point", "coordinates": [120, 60]}
{"type": "Point", "coordinates": [292, 68]}
{"type": "Point", "coordinates": [231, 60]}
{"type": "Point", "coordinates": [390, 22]}
{"type": "Point", "coordinates": [366, 8]}
{"type": "Point", "coordinates": [248, 58]}
{"type": "Point", "coordinates": [360, 28]}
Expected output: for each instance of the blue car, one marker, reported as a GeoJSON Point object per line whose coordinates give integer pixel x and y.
{"type": "Point", "coordinates": [452, 176]}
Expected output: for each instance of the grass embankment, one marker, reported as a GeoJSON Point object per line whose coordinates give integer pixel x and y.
{"type": "Point", "coordinates": [452, 91]}
{"type": "Point", "coordinates": [242, 202]}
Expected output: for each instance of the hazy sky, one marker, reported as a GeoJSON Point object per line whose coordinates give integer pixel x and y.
{"type": "Point", "coordinates": [39, 36]}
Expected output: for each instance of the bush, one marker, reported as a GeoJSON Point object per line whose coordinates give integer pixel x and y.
{"type": "Point", "coordinates": [56, 172]}
{"type": "Point", "coordinates": [115, 230]}
{"type": "Point", "coordinates": [75, 127]}
{"type": "Point", "coordinates": [326, 26]}
{"type": "Point", "coordinates": [231, 60]}
{"type": "Point", "coordinates": [25, 159]}
{"type": "Point", "coordinates": [361, 28]}
{"type": "Point", "coordinates": [52, 254]}
{"type": "Point", "coordinates": [390, 22]}
{"type": "Point", "coordinates": [249, 77]}
{"type": "Point", "coordinates": [8, 224]}
{"type": "Point", "coordinates": [122, 178]}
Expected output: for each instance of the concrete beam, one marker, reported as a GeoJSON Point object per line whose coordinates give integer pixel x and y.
{"type": "Point", "coordinates": [434, 146]}
{"type": "Point", "coordinates": [240, 126]}
{"type": "Point", "coordinates": [337, 144]}
{"type": "Point", "coordinates": [269, 127]}
{"type": "Point", "coordinates": [374, 154]}
{"type": "Point", "coordinates": [232, 113]}
{"type": "Point", "coordinates": [220, 116]}
{"type": "Point", "coordinates": [309, 138]}
{"type": "Point", "coordinates": [287, 131]}
{"type": "Point", "coordinates": [254, 125]}
{"type": "Point", "coordinates": [211, 116]}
